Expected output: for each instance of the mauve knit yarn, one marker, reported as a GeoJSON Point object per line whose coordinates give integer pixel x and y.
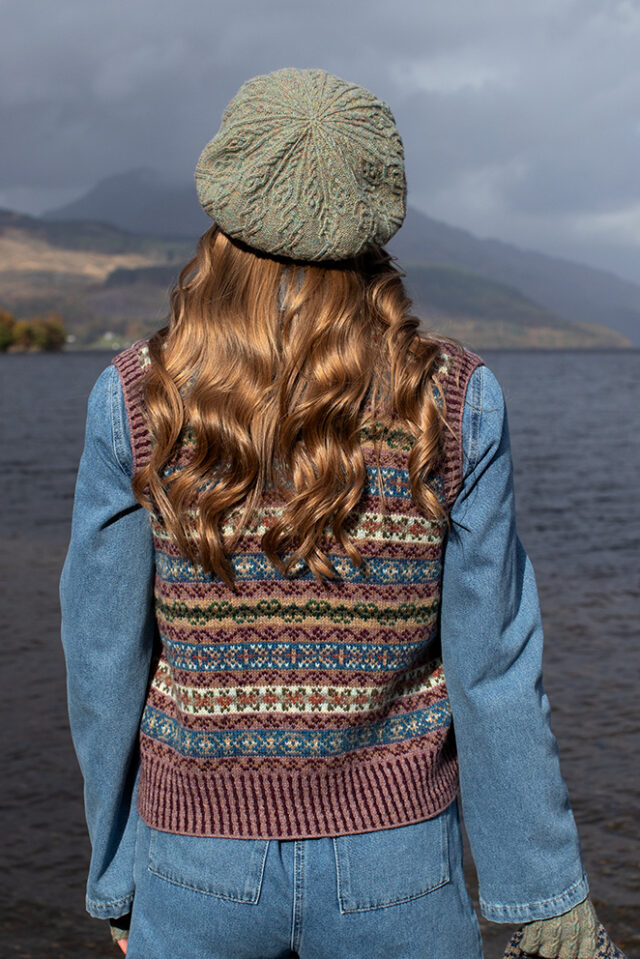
{"type": "Point", "coordinates": [305, 165]}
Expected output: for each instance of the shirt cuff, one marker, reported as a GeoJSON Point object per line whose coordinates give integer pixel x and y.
{"type": "Point", "coordinates": [543, 909]}
{"type": "Point", "coordinates": [109, 908]}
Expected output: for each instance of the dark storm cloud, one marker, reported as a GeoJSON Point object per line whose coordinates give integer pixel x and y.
{"type": "Point", "coordinates": [518, 120]}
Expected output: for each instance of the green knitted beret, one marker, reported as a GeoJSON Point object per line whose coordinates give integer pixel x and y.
{"type": "Point", "coordinates": [305, 165]}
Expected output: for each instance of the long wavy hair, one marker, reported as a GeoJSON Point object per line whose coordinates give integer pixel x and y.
{"type": "Point", "coordinates": [267, 363]}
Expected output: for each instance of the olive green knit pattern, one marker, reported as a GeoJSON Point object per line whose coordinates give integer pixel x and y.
{"type": "Point", "coordinates": [305, 165]}
{"type": "Point", "coordinates": [575, 934]}
{"type": "Point", "coordinates": [571, 935]}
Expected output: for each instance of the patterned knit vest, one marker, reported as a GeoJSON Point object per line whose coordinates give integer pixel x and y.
{"type": "Point", "coordinates": [293, 708]}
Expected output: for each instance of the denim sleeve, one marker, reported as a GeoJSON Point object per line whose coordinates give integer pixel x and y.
{"type": "Point", "coordinates": [108, 628]}
{"type": "Point", "coordinates": [515, 803]}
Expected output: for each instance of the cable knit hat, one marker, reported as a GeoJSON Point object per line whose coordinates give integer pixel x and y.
{"type": "Point", "coordinates": [305, 165]}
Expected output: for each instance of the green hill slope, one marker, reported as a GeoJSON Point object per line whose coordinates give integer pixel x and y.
{"type": "Point", "coordinates": [484, 313]}
{"type": "Point", "coordinates": [575, 292]}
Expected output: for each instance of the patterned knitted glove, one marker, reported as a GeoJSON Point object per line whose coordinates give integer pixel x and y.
{"type": "Point", "coordinates": [120, 927]}
{"type": "Point", "coordinates": [571, 935]}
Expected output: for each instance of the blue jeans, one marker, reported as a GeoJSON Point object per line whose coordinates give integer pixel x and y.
{"type": "Point", "coordinates": [391, 893]}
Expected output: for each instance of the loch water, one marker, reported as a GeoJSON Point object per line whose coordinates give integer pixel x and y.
{"type": "Point", "coordinates": [573, 418]}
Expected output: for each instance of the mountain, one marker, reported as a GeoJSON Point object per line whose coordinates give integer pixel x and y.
{"type": "Point", "coordinates": [573, 291]}
{"type": "Point", "coordinates": [87, 236]}
{"type": "Point", "coordinates": [112, 285]}
{"type": "Point", "coordinates": [141, 201]}
{"type": "Point", "coordinates": [483, 313]}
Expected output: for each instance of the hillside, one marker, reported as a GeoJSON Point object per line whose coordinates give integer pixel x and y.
{"type": "Point", "coordinates": [66, 267]}
{"type": "Point", "coordinates": [576, 292]}
{"type": "Point", "coordinates": [484, 314]}
{"type": "Point", "coordinates": [112, 286]}
{"type": "Point", "coordinates": [142, 202]}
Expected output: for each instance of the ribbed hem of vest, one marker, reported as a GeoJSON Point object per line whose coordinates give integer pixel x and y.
{"type": "Point", "coordinates": [278, 804]}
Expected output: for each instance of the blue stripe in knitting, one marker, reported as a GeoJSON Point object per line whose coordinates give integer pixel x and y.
{"type": "Point", "coordinates": [256, 566]}
{"type": "Point", "coordinates": [368, 657]}
{"type": "Point", "coordinates": [292, 742]}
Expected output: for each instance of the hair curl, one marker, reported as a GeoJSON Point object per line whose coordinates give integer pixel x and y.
{"type": "Point", "coordinates": [268, 362]}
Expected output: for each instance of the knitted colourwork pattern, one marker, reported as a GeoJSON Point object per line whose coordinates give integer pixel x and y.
{"type": "Point", "coordinates": [605, 947]}
{"type": "Point", "coordinates": [294, 708]}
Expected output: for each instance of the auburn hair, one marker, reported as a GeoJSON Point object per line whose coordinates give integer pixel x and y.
{"type": "Point", "coordinates": [267, 363]}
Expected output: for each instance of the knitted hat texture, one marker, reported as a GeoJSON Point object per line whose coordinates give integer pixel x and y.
{"type": "Point", "coordinates": [305, 165]}
{"type": "Point", "coordinates": [605, 948]}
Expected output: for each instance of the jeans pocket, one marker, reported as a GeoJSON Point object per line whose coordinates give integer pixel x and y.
{"type": "Point", "coordinates": [215, 866]}
{"type": "Point", "coordinates": [390, 866]}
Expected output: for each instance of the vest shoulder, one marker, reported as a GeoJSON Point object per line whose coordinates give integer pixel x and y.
{"type": "Point", "coordinates": [455, 365]}
{"type": "Point", "coordinates": [134, 360]}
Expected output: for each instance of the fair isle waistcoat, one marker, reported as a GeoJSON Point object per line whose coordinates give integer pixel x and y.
{"type": "Point", "coordinates": [296, 709]}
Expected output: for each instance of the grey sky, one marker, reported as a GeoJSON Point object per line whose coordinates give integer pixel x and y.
{"type": "Point", "coordinates": [520, 121]}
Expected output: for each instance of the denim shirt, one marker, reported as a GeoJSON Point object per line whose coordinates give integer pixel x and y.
{"type": "Point", "coordinates": [514, 800]}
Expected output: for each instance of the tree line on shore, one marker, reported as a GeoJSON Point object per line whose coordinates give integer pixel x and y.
{"type": "Point", "coordinates": [36, 334]}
